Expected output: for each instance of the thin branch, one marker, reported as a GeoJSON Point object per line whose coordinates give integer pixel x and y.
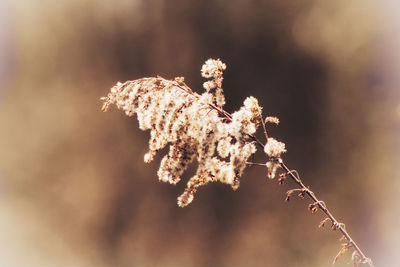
{"type": "Point", "coordinates": [322, 206]}
{"type": "Point", "coordinates": [263, 125]}
{"type": "Point", "coordinates": [255, 163]}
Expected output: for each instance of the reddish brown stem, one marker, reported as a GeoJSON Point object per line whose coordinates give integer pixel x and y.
{"type": "Point", "coordinates": [325, 210]}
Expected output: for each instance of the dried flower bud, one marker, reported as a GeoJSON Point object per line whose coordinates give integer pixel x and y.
{"type": "Point", "coordinates": [208, 85]}
{"type": "Point", "coordinates": [213, 69]}
{"type": "Point", "coordinates": [274, 148]}
{"type": "Point", "coordinates": [273, 120]}
{"type": "Point", "coordinates": [272, 167]}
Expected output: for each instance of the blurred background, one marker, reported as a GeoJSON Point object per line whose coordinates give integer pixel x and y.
{"type": "Point", "coordinates": [74, 190]}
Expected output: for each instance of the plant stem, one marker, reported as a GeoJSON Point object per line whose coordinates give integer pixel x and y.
{"type": "Point", "coordinates": [295, 178]}
{"type": "Point", "coordinates": [323, 207]}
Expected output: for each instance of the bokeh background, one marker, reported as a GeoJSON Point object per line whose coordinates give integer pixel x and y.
{"type": "Point", "coordinates": [74, 190]}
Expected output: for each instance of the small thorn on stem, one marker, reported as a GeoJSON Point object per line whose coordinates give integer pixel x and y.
{"type": "Point", "coordinates": [301, 194]}
{"type": "Point", "coordinates": [344, 248]}
{"type": "Point", "coordinates": [356, 258]}
{"type": "Point", "coordinates": [337, 225]}
{"type": "Point", "coordinates": [282, 178]}
{"type": "Point", "coordinates": [323, 222]}
{"type": "Point", "coordinates": [313, 207]}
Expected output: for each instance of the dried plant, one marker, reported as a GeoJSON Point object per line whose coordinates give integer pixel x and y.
{"type": "Point", "coordinates": [197, 127]}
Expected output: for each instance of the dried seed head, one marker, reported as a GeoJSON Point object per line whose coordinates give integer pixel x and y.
{"type": "Point", "coordinates": [194, 126]}
{"type": "Point", "coordinates": [213, 69]}
{"type": "Point", "coordinates": [274, 148]}
{"type": "Point", "coordinates": [273, 120]}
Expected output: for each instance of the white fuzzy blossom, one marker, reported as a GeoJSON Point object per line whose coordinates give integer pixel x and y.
{"type": "Point", "coordinates": [273, 149]}
{"type": "Point", "coordinates": [273, 120]}
{"type": "Point", "coordinates": [195, 127]}
{"type": "Point", "coordinates": [213, 69]}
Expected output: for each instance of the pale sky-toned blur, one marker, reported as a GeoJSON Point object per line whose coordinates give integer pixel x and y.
{"type": "Point", "coordinates": [74, 190]}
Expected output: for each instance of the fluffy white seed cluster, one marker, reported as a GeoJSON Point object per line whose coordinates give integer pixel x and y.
{"type": "Point", "coordinates": [195, 126]}
{"type": "Point", "coordinates": [274, 149]}
{"type": "Point", "coordinates": [213, 69]}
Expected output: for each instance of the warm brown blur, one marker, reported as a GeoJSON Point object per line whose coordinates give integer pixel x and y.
{"type": "Point", "coordinates": [74, 190]}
